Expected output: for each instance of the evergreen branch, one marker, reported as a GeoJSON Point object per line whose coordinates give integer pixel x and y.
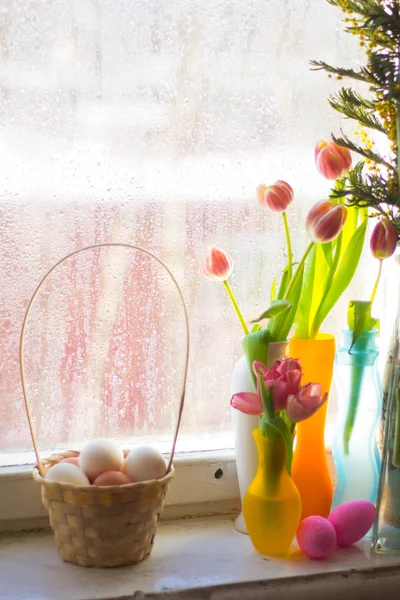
{"type": "Point", "coordinates": [385, 23]}
{"type": "Point", "coordinates": [377, 23]}
{"type": "Point", "coordinates": [380, 37]}
{"type": "Point", "coordinates": [320, 65]}
{"type": "Point", "coordinates": [375, 20]}
{"type": "Point", "coordinates": [367, 190]}
{"type": "Point", "coordinates": [350, 96]}
{"type": "Point", "coordinates": [353, 106]}
{"type": "Point", "coordinates": [365, 152]}
{"type": "Point", "coordinates": [372, 11]}
{"type": "Point", "coordinates": [396, 222]}
{"type": "Point", "coordinates": [362, 7]}
{"type": "Point", "coordinates": [384, 67]}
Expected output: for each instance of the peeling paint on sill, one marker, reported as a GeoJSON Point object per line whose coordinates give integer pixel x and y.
{"type": "Point", "coordinates": [195, 559]}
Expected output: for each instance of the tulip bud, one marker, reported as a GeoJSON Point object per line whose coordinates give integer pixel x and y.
{"type": "Point", "coordinates": [276, 197]}
{"type": "Point", "coordinates": [383, 239]}
{"type": "Point", "coordinates": [217, 265]}
{"type": "Point", "coordinates": [325, 221]}
{"type": "Point", "coordinates": [331, 160]}
{"type": "Point", "coordinates": [305, 403]}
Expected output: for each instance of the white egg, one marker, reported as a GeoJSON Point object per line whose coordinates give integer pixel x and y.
{"type": "Point", "coordinates": [67, 473]}
{"type": "Point", "coordinates": [144, 463]}
{"type": "Point", "coordinates": [99, 456]}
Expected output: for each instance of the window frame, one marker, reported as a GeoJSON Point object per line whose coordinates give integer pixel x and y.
{"type": "Point", "coordinates": [205, 484]}
{"type": "Point", "coordinates": [197, 489]}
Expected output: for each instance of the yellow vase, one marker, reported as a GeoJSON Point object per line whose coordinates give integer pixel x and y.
{"type": "Point", "coordinates": [310, 467]}
{"type": "Point", "coordinates": [272, 503]}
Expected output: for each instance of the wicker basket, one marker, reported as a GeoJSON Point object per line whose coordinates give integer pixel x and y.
{"type": "Point", "coordinates": [102, 526]}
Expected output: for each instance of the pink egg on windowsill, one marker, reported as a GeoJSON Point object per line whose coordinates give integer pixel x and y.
{"type": "Point", "coordinates": [316, 537]}
{"type": "Point", "coordinates": [352, 520]}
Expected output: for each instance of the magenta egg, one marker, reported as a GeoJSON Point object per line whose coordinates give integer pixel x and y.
{"type": "Point", "coordinates": [316, 536]}
{"type": "Point", "coordinates": [352, 520]}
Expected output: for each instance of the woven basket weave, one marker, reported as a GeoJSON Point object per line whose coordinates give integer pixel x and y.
{"type": "Point", "coordinates": [102, 526]}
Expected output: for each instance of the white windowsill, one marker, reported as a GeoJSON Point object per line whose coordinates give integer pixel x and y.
{"type": "Point", "coordinates": [195, 559]}
{"type": "Point", "coordinates": [205, 484]}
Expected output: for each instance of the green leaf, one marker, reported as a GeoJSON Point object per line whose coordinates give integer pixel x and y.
{"type": "Point", "coordinates": [315, 283]}
{"type": "Point", "coordinates": [279, 425]}
{"type": "Point", "coordinates": [343, 276]}
{"type": "Point", "coordinates": [286, 319]}
{"type": "Point", "coordinates": [283, 284]}
{"type": "Point", "coordinates": [327, 251]}
{"type": "Point", "coordinates": [350, 226]}
{"type": "Point", "coordinates": [359, 318]}
{"type": "Point", "coordinates": [256, 328]}
{"type": "Point", "coordinates": [273, 291]}
{"type": "Point", "coordinates": [323, 275]}
{"type": "Point", "coordinates": [267, 401]}
{"type": "Point", "coordinates": [304, 306]}
{"type": "Point", "coordinates": [277, 307]}
{"type": "Point", "coordinates": [255, 347]}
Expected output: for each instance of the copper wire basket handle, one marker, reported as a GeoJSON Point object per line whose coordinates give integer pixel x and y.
{"type": "Point", "coordinates": [22, 342]}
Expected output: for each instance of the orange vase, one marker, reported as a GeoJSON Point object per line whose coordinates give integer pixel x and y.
{"type": "Point", "coordinates": [310, 467]}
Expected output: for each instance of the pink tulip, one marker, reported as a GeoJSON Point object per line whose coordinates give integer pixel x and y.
{"type": "Point", "coordinates": [305, 403]}
{"type": "Point", "coordinates": [247, 403]}
{"type": "Point", "coordinates": [283, 387]}
{"type": "Point", "coordinates": [276, 197]}
{"type": "Point", "coordinates": [383, 239]}
{"type": "Point", "coordinates": [281, 384]}
{"type": "Point", "coordinates": [217, 265]}
{"type": "Point", "coordinates": [289, 364]}
{"type": "Point", "coordinates": [331, 160]}
{"type": "Point", "coordinates": [325, 221]}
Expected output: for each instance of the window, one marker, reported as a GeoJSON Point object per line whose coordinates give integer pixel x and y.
{"type": "Point", "coordinates": [149, 123]}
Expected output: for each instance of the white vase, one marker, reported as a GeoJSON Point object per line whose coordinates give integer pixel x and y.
{"type": "Point", "coordinates": [243, 425]}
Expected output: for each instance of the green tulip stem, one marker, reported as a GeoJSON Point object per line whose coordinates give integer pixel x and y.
{"type": "Point", "coordinates": [396, 445]}
{"type": "Point", "coordinates": [289, 245]}
{"type": "Point", "coordinates": [377, 281]}
{"type": "Point", "coordinates": [356, 377]}
{"type": "Point", "coordinates": [299, 270]}
{"type": "Point", "coordinates": [236, 307]}
{"type": "Point", "coordinates": [357, 372]}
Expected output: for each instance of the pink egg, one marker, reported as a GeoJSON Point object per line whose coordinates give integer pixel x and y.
{"type": "Point", "coordinates": [352, 520]}
{"type": "Point", "coordinates": [73, 460]}
{"type": "Point", "coordinates": [112, 478]}
{"type": "Point", "coordinates": [316, 537]}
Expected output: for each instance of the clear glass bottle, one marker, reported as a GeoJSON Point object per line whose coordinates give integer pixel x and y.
{"type": "Point", "coordinates": [354, 448]}
{"type": "Point", "coordinates": [386, 530]}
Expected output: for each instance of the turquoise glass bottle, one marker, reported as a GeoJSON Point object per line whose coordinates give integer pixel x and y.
{"type": "Point", "coordinates": [354, 447]}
